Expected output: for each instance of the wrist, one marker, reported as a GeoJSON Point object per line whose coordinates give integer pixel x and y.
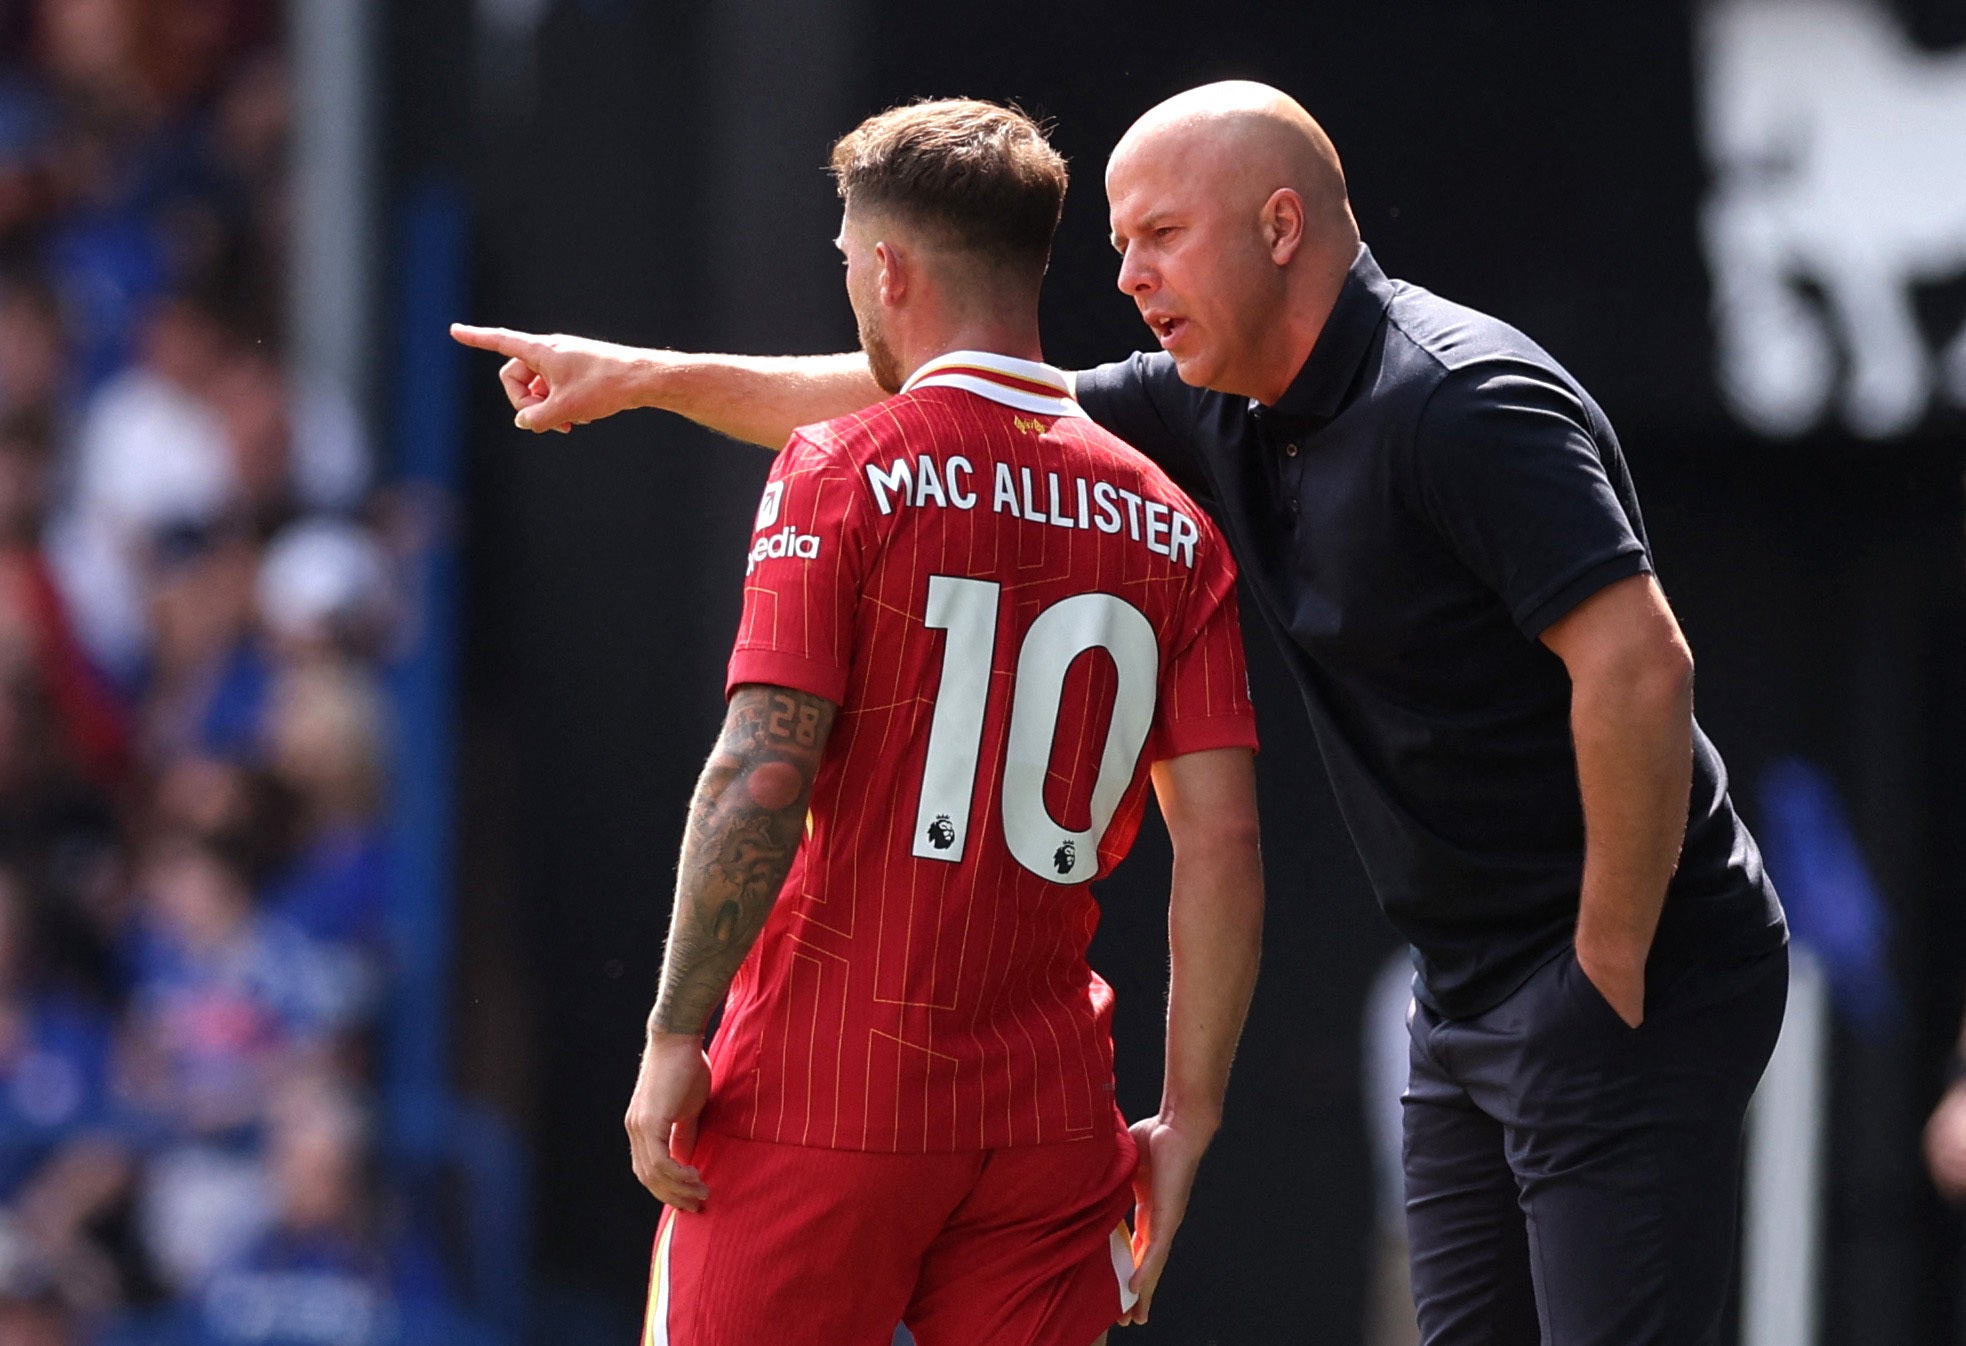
{"type": "Point", "coordinates": [1616, 951]}
{"type": "Point", "coordinates": [669, 1039]}
{"type": "Point", "coordinates": [1189, 1119]}
{"type": "Point", "coordinates": [648, 377]}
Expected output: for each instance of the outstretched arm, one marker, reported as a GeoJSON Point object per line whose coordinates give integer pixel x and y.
{"type": "Point", "coordinates": [557, 382]}
{"type": "Point", "coordinates": [745, 824]}
{"type": "Point", "coordinates": [1215, 937]}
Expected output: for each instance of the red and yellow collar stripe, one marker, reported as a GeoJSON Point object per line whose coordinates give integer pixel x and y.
{"type": "Point", "coordinates": [1023, 384]}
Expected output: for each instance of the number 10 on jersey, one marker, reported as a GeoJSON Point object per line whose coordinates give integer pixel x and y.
{"type": "Point", "coordinates": [967, 610]}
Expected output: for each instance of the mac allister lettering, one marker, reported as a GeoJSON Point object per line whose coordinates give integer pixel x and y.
{"type": "Point", "coordinates": [1035, 497]}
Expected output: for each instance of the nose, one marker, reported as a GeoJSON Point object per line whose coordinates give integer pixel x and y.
{"type": "Point", "coordinates": [1136, 277]}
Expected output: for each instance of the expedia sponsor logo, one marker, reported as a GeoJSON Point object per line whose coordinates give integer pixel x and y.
{"type": "Point", "coordinates": [768, 507]}
{"type": "Point", "coordinates": [787, 541]}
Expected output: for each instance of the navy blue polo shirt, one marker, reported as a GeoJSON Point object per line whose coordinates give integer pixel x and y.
{"type": "Point", "coordinates": [1429, 495]}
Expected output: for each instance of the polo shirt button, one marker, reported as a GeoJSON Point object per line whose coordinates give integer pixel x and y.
{"type": "Point", "coordinates": [1290, 449]}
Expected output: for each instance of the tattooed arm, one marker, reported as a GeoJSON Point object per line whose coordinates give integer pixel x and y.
{"type": "Point", "coordinates": [745, 824]}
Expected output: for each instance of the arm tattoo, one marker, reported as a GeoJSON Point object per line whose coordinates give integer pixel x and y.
{"type": "Point", "coordinates": [745, 824]}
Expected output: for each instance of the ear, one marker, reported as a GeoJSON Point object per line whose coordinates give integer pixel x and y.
{"type": "Point", "coordinates": [1282, 222]}
{"type": "Point", "coordinates": [893, 271]}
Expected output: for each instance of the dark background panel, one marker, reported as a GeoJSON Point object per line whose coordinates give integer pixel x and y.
{"type": "Point", "coordinates": [579, 578]}
{"type": "Point", "coordinates": [1528, 159]}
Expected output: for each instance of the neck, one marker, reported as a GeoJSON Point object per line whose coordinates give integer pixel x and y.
{"type": "Point", "coordinates": [1306, 311]}
{"type": "Point", "coordinates": [1016, 337]}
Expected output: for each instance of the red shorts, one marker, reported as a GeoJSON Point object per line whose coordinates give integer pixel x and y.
{"type": "Point", "coordinates": [810, 1247]}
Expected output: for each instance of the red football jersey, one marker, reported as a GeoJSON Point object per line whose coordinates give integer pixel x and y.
{"type": "Point", "coordinates": [1017, 614]}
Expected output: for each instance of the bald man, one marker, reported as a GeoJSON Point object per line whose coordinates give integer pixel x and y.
{"type": "Point", "coordinates": [1438, 526]}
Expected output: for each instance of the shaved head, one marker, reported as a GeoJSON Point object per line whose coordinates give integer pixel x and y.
{"type": "Point", "coordinates": [1247, 138]}
{"type": "Point", "coordinates": [1230, 215]}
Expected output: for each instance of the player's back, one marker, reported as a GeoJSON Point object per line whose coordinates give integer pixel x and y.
{"type": "Point", "coordinates": [1017, 615]}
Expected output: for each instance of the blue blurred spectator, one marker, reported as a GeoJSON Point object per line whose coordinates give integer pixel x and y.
{"type": "Point", "coordinates": [141, 200]}
{"type": "Point", "coordinates": [205, 678]}
{"type": "Point", "coordinates": [225, 1004]}
{"type": "Point", "coordinates": [323, 592]}
{"type": "Point", "coordinates": [327, 738]}
{"type": "Point", "coordinates": [205, 431]}
{"type": "Point", "coordinates": [149, 457]}
{"type": "Point", "coordinates": [194, 745]}
{"type": "Point", "coordinates": [327, 1272]}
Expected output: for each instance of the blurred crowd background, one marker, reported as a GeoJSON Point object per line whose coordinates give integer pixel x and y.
{"type": "Point", "coordinates": [199, 594]}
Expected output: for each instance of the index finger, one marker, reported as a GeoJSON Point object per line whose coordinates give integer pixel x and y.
{"type": "Point", "coordinates": [502, 340]}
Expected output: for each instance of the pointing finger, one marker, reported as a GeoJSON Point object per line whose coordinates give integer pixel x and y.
{"type": "Point", "coordinates": [502, 340]}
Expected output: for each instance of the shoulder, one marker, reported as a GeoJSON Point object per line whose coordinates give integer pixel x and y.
{"type": "Point", "coordinates": [1143, 380]}
{"type": "Point", "coordinates": [896, 424]}
{"type": "Point", "coordinates": [1122, 459]}
{"type": "Point", "coordinates": [842, 447]}
{"type": "Point", "coordinates": [1140, 372]}
{"type": "Point", "coordinates": [1458, 361]}
{"type": "Point", "coordinates": [1147, 377]}
{"type": "Point", "coordinates": [1462, 388]}
{"type": "Point", "coordinates": [1183, 428]}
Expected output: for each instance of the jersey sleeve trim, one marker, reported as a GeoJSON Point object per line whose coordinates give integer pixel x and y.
{"type": "Point", "coordinates": [817, 677]}
{"type": "Point", "coordinates": [1181, 737]}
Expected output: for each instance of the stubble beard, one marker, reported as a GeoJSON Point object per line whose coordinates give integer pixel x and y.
{"type": "Point", "coordinates": [881, 361]}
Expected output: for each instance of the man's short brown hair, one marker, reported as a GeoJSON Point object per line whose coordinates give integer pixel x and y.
{"type": "Point", "coordinates": [980, 174]}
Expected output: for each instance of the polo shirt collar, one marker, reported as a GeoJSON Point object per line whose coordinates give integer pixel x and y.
{"type": "Point", "coordinates": [1318, 391]}
{"type": "Point", "coordinates": [1023, 384]}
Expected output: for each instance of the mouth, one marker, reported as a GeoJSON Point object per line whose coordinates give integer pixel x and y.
{"type": "Point", "coordinates": [1165, 327]}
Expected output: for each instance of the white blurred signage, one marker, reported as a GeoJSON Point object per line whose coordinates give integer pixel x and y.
{"type": "Point", "coordinates": [1838, 157]}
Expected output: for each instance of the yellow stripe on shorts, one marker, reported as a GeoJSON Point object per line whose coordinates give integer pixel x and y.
{"type": "Point", "coordinates": [655, 1325]}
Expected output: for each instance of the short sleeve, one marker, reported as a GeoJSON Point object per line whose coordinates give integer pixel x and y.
{"type": "Point", "coordinates": [1505, 466]}
{"type": "Point", "coordinates": [1204, 700]}
{"type": "Point", "coordinates": [1143, 401]}
{"type": "Point", "coordinates": [802, 576]}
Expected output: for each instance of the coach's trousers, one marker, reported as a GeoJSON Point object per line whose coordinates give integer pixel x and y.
{"type": "Point", "coordinates": [1573, 1181]}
